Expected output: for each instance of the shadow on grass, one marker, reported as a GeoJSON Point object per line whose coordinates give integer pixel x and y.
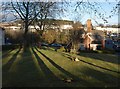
{"type": "Point", "coordinates": [4, 54]}
{"type": "Point", "coordinates": [106, 79]}
{"type": "Point", "coordinates": [6, 76]}
{"type": "Point", "coordinates": [7, 66]}
{"type": "Point", "coordinates": [69, 56]}
{"type": "Point", "coordinates": [48, 73]}
{"type": "Point", "coordinates": [26, 74]}
{"type": "Point", "coordinates": [102, 57]}
{"type": "Point", "coordinates": [99, 66]}
{"type": "Point", "coordinates": [75, 78]}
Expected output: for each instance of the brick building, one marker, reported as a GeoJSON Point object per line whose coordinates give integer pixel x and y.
{"type": "Point", "coordinates": [93, 39]}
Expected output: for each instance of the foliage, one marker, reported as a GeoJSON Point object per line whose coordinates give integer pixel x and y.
{"type": "Point", "coordinates": [76, 38]}
{"type": "Point", "coordinates": [16, 37]}
{"type": "Point", "coordinates": [29, 12]}
{"type": "Point", "coordinates": [52, 35]}
{"type": "Point", "coordinates": [77, 25]}
{"type": "Point", "coordinates": [39, 12]}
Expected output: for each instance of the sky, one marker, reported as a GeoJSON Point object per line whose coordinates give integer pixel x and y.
{"type": "Point", "coordinates": [82, 16]}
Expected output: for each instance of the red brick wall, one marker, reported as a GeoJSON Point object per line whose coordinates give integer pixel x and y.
{"type": "Point", "coordinates": [87, 42]}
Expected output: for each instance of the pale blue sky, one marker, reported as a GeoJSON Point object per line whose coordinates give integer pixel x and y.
{"type": "Point", "coordinates": [71, 14]}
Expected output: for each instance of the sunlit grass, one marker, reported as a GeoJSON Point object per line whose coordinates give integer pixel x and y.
{"type": "Point", "coordinates": [14, 64]}
{"type": "Point", "coordinates": [56, 71]}
{"type": "Point", "coordinates": [72, 67]}
{"type": "Point", "coordinates": [101, 60]}
{"type": "Point", "coordinates": [104, 60]}
{"type": "Point", "coordinates": [8, 56]}
{"type": "Point", "coordinates": [36, 63]}
{"type": "Point", "coordinates": [33, 69]}
{"type": "Point", "coordinates": [77, 68]}
{"type": "Point", "coordinates": [23, 72]}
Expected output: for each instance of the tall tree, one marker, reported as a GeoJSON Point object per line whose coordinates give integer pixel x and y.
{"type": "Point", "coordinates": [25, 11]}
{"type": "Point", "coordinates": [30, 12]}
{"type": "Point", "coordinates": [42, 20]}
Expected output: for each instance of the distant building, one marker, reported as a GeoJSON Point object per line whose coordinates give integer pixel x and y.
{"type": "Point", "coordinates": [108, 29]}
{"type": "Point", "coordinates": [55, 27]}
{"type": "Point", "coordinates": [93, 38]}
{"type": "Point", "coordinates": [53, 24]}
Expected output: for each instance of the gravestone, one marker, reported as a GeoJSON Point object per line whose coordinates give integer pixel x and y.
{"type": "Point", "coordinates": [76, 59]}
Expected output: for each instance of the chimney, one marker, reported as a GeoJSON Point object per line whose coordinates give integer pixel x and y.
{"type": "Point", "coordinates": [89, 25]}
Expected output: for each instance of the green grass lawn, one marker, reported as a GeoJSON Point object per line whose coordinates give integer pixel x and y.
{"type": "Point", "coordinates": [48, 68]}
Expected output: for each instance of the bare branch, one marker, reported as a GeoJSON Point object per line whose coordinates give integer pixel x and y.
{"type": "Point", "coordinates": [17, 11]}
{"type": "Point", "coordinates": [20, 10]}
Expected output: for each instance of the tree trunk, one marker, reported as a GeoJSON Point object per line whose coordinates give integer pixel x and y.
{"type": "Point", "coordinates": [25, 40]}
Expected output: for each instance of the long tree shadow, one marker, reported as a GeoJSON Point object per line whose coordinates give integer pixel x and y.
{"type": "Point", "coordinates": [4, 54]}
{"type": "Point", "coordinates": [7, 66]}
{"type": "Point", "coordinates": [96, 56]}
{"type": "Point", "coordinates": [105, 78]}
{"type": "Point", "coordinates": [24, 72]}
{"type": "Point", "coordinates": [99, 66]}
{"type": "Point", "coordinates": [75, 78]}
{"type": "Point", "coordinates": [69, 56]}
{"type": "Point", "coordinates": [48, 73]}
{"type": "Point", "coordinates": [5, 70]}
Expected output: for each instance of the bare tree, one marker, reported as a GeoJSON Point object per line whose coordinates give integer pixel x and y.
{"type": "Point", "coordinates": [96, 10]}
{"type": "Point", "coordinates": [25, 12]}
{"type": "Point", "coordinates": [32, 13]}
{"type": "Point", "coordinates": [38, 12]}
{"type": "Point", "coordinates": [76, 36]}
{"type": "Point", "coordinates": [42, 20]}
